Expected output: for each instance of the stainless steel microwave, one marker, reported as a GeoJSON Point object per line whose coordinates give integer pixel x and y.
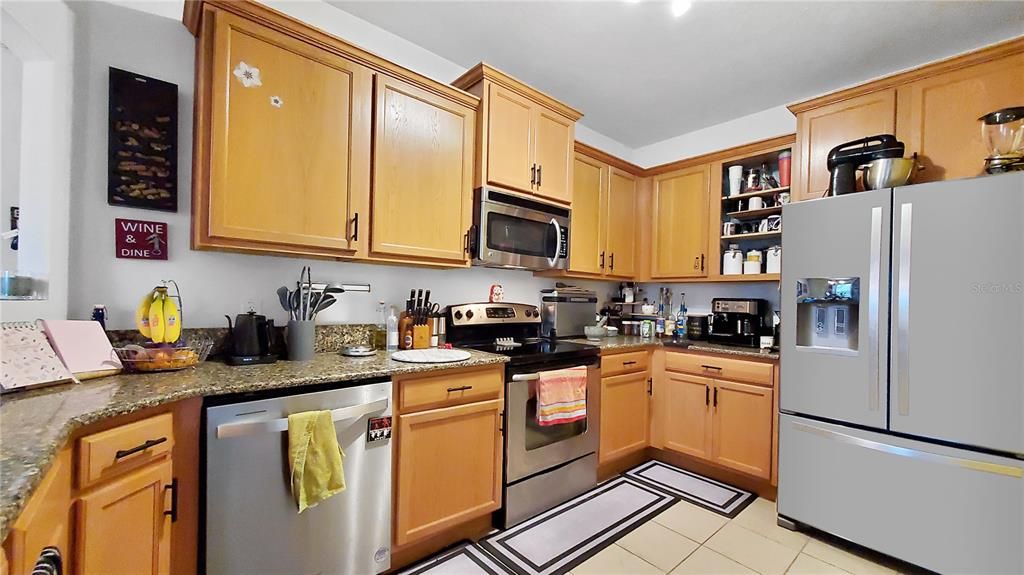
{"type": "Point", "coordinates": [515, 232]}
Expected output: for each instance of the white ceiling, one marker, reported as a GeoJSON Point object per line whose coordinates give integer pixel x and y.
{"type": "Point", "coordinates": [640, 76]}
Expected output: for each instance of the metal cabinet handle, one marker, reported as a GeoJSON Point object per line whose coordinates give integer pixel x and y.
{"type": "Point", "coordinates": [716, 397]}
{"type": "Point", "coordinates": [650, 386]}
{"type": "Point", "coordinates": [611, 266]}
{"type": "Point", "coordinates": [355, 227]}
{"type": "Point", "coordinates": [173, 488]}
{"type": "Point", "coordinates": [701, 262]}
{"type": "Point", "coordinates": [714, 367]}
{"type": "Point", "coordinates": [539, 168]}
{"type": "Point", "coordinates": [460, 388]}
{"type": "Point", "coordinates": [629, 363]}
{"type": "Point", "coordinates": [707, 395]}
{"type": "Point", "coordinates": [533, 175]}
{"type": "Point", "coordinates": [903, 313]}
{"type": "Point", "coordinates": [121, 453]}
{"type": "Point", "coordinates": [602, 260]}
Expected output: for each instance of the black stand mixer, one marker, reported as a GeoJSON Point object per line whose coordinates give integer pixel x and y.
{"type": "Point", "coordinates": [844, 159]}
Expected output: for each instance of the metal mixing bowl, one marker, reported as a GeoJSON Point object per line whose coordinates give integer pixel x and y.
{"type": "Point", "coordinates": [888, 173]}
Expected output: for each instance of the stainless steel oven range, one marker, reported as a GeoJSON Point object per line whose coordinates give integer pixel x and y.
{"type": "Point", "coordinates": [511, 231]}
{"type": "Point", "coordinates": [544, 465]}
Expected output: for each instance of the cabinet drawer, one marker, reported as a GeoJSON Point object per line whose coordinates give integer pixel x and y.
{"type": "Point", "coordinates": [720, 367]}
{"type": "Point", "coordinates": [450, 389]}
{"type": "Point", "coordinates": [624, 363]}
{"type": "Point", "coordinates": [110, 452]}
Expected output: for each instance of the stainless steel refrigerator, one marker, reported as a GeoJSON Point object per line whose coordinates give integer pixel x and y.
{"type": "Point", "coordinates": [902, 391]}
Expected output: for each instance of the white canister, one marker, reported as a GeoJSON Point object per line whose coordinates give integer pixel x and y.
{"type": "Point", "coordinates": [754, 256]}
{"type": "Point", "coordinates": [774, 260]}
{"type": "Point", "coordinates": [735, 180]}
{"type": "Point", "coordinates": [732, 261]}
{"type": "Point", "coordinates": [751, 267]}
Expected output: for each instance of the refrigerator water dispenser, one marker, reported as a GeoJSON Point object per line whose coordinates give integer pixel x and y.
{"type": "Point", "coordinates": [827, 311]}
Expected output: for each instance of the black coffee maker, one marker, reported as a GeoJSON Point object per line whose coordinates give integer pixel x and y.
{"type": "Point", "coordinates": [740, 321]}
{"type": "Point", "coordinates": [844, 159]}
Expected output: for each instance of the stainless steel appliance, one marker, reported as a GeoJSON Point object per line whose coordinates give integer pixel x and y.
{"type": "Point", "coordinates": [511, 231]}
{"type": "Point", "coordinates": [844, 159]}
{"type": "Point", "coordinates": [740, 321]}
{"type": "Point", "coordinates": [252, 524]}
{"type": "Point", "coordinates": [544, 465]}
{"type": "Point", "coordinates": [566, 310]}
{"type": "Point", "coordinates": [901, 428]}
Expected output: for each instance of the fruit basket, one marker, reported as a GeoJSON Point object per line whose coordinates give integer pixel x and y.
{"type": "Point", "coordinates": [139, 359]}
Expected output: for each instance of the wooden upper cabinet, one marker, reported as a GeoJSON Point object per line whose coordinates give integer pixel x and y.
{"type": "Point", "coordinates": [289, 137]}
{"type": "Point", "coordinates": [625, 420]}
{"type": "Point", "coordinates": [680, 217]}
{"type": "Point", "coordinates": [742, 427]}
{"type": "Point", "coordinates": [587, 224]}
{"type": "Point", "coordinates": [422, 197]}
{"type": "Point", "coordinates": [449, 467]}
{"type": "Point", "coordinates": [526, 137]}
{"type": "Point", "coordinates": [553, 155]}
{"type": "Point", "coordinates": [510, 139]}
{"type": "Point", "coordinates": [937, 116]}
{"type": "Point", "coordinates": [122, 527]}
{"type": "Point", "coordinates": [685, 411]}
{"type": "Point", "coordinates": [622, 220]}
{"type": "Point", "coordinates": [818, 130]}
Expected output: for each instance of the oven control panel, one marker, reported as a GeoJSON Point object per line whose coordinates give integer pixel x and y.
{"type": "Point", "coordinates": [493, 313]}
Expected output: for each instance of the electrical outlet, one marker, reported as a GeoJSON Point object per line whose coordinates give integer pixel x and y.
{"type": "Point", "coordinates": [251, 305]}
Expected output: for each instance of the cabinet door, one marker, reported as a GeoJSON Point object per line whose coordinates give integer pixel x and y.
{"type": "Point", "coordinates": [449, 467]}
{"type": "Point", "coordinates": [586, 234]}
{"type": "Point", "coordinates": [821, 129]}
{"type": "Point", "coordinates": [685, 412]}
{"type": "Point", "coordinates": [680, 234]}
{"type": "Point", "coordinates": [741, 436]}
{"type": "Point", "coordinates": [937, 117]}
{"type": "Point", "coordinates": [422, 174]}
{"type": "Point", "coordinates": [121, 526]}
{"type": "Point", "coordinates": [553, 155]}
{"type": "Point", "coordinates": [510, 139]}
{"type": "Point", "coordinates": [45, 520]}
{"type": "Point", "coordinates": [624, 415]}
{"type": "Point", "coordinates": [290, 157]}
{"type": "Point", "coordinates": [620, 221]}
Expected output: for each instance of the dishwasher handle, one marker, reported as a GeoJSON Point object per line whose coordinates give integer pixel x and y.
{"type": "Point", "coordinates": [277, 425]}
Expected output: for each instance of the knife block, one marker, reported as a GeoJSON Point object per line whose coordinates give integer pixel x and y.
{"type": "Point", "coordinates": [421, 336]}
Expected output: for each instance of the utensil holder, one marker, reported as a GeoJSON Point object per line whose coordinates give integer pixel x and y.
{"type": "Point", "coordinates": [301, 339]}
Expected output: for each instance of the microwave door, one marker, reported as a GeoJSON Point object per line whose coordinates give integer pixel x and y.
{"type": "Point", "coordinates": [519, 237]}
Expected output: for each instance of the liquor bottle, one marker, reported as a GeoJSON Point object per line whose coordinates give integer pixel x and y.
{"type": "Point", "coordinates": [659, 322]}
{"type": "Point", "coordinates": [681, 317]}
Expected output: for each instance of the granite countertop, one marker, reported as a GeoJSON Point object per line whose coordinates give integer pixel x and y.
{"type": "Point", "coordinates": [626, 342]}
{"type": "Point", "coordinates": [35, 424]}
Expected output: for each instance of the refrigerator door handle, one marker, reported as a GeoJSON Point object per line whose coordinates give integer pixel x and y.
{"type": "Point", "coordinates": [903, 312]}
{"type": "Point", "coordinates": [874, 280]}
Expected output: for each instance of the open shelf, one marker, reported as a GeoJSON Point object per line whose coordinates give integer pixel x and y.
{"type": "Point", "coordinates": [750, 278]}
{"type": "Point", "coordinates": [755, 214]}
{"type": "Point", "coordinates": [753, 236]}
{"type": "Point", "coordinates": [758, 193]}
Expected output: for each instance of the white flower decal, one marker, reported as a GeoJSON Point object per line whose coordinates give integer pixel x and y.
{"type": "Point", "coordinates": [248, 75]}
{"type": "Point", "coordinates": [276, 101]}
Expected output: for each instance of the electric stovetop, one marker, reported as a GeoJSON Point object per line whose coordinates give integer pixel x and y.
{"type": "Point", "coordinates": [536, 350]}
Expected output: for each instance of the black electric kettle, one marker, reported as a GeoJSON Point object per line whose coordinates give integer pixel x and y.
{"type": "Point", "coordinates": [250, 339]}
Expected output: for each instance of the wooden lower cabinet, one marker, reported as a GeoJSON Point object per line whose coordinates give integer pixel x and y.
{"type": "Point", "coordinates": [122, 526]}
{"type": "Point", "coordinates": [741, 430]}
{"type": "Point", "coordinates": [625, 418]}
{"type": "Point", "coordinates": [46, 520]}
{"type": "Point", "coordinates": [449, 467]}
{"type": "Point", "coordinates": [684, 404]}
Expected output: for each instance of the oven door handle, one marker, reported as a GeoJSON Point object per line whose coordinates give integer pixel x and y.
{"type": "Point", "coordinates": [558, 243]}
{"type": "Point", "coordinates": [526, 377]}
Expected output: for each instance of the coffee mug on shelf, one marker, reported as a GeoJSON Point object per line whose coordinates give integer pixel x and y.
{"type": "Point", "coordinates": [774, 223]}
{"type": "Point", "coordinates": [755, 203]}
{"type": "Point", "coordinates": [783, 198]}
{"type": "Point", "coordinates": [762, 226]}
{"type": "Point", "coordinates": [729, 228]}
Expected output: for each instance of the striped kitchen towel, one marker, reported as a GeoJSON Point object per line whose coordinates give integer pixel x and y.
{"type": "Point", "coordinates": [562, 396]}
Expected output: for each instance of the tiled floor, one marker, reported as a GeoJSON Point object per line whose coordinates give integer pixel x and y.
{"type": "Point", "coordinates": [688, 540]}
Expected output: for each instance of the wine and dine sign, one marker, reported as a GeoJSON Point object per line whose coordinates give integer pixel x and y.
{"type": "Point", "coordinates": [140, 239]}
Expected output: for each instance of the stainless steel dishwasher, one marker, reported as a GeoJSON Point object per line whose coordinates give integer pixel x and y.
{"type": "Point", "coordinates": [251, 521]}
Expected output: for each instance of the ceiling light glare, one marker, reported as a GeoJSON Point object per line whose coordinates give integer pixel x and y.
{"type": "Point", "coordinates": [680, 7]}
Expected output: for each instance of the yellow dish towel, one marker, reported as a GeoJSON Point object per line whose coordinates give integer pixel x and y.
{"type": "Point", "coordinates": [315, 458]}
